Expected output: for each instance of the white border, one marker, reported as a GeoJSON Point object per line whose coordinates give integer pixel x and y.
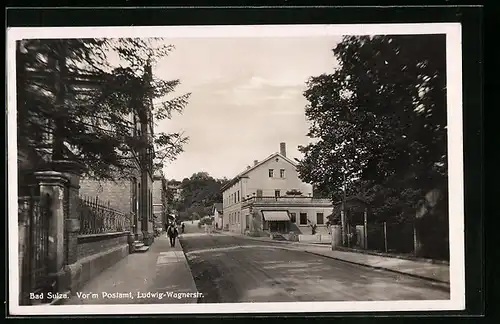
{"type": "Point", "coordinates": [455, 160]}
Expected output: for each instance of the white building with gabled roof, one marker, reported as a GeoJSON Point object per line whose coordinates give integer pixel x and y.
{"type": "Point", "coordinates": [270, 196]}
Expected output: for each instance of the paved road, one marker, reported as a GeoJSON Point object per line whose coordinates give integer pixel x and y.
{"type": "Point", "coordinates": [234, 269]}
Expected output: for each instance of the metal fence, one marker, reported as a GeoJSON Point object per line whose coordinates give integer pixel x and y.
{"type": "Point", "coordinates": [98, 217]}
{"type": "Point", "coordinates": [391, 237]}
{"type": "Point", "coordinates": [34, 214]}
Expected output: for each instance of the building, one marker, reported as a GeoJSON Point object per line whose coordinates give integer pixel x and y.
{"type": "Point", "coordinates": [175, 189]}
{"type": "Point", "coordinates": [159, 200]}
{"type": "Point", "coordinates": [217, 215]}
{"type": "Point", "coordinates": [269, 196]}
{"type": "Point", "coordinates": [134, 195]}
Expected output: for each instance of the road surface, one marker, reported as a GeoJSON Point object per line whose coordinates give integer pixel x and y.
{"type": "Point", "coordinates": [229, 269]}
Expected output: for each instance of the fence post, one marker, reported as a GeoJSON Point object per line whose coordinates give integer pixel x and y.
{"type": "Point", "coordinates": [385, 237]}
{"type": "Point", "coordinates": [365, 232]}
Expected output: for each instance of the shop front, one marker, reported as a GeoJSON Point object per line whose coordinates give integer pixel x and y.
{"type": "Point", "coordinates": [276, 221]}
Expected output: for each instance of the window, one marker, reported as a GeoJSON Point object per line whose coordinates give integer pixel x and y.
{"type": "Point", "coordinates": [319, 219]}
{"type": "Point", "coordinates": [303, 218]}
{"type": "Point", "coordinates": [277, 193]}
{"type": "Point", "coordinates": [282, 173]}
{"type": "Point", "coordinates": [238, 196]}
{"type": "Point", "coordinates": [238, 217]}
{"type": "Point", "coordinates": [293, 217]}
{"type": "Point", "coordinates": [259, 192]}
{"type": "Point", "coordinates": [271, 173]}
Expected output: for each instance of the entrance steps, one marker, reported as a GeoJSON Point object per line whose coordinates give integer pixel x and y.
{"type": "Point", "coordinates": [139, 247]}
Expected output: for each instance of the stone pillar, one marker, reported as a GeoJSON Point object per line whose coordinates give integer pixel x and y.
{"type": "Point", "coordinates": [53, 186]}
{"type": "Point", "coordinates": [71, 171]}
{"type": "Point", "coordinates": [336, 236]}
{"type": "Point", "coordinates": [360, 236]}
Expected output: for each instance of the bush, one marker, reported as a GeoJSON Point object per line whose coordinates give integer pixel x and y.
{"type": "Point", "coordinates": [293, 237]}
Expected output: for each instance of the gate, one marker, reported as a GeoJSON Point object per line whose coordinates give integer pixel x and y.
{"type": "Point", "coordinates": [35, 281]}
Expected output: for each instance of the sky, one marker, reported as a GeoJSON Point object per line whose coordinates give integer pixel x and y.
{"type": "Point", "coordinates": [247, 97]}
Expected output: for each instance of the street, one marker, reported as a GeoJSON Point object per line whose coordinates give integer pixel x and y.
{"type": "Point", "coordinates": [229, 269]}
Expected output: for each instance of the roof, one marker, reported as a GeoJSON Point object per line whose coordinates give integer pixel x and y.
{"type": "Point", "coordinates": [217, 206]}
{"type": "Point", "coordinates": [246, 171]}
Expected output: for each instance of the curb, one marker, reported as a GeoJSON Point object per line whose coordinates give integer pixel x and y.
{"type": "Point", "coordinates": [190, 271]}
{"type": "Point", "coordinates": [441, 284]}
{"type": "Point", "coordinates": [386, 255]}
{"type": "Point", "coordinates": [445, 286]}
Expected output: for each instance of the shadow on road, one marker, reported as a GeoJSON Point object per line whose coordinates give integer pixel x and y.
{"type": "Point", "coordinates": [229, 269]}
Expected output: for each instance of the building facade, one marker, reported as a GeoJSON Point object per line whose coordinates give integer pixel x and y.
{"type": "Point", "coordinates": [159, 200]}
{"type": "Point", "coordinates": [269, 196]}
{"type": "Point", "coordinates": [134, 195]}
{"type": "Point", "coordinates": [217, 214]}
{"type": "Point", "coordinates": [174, 187]}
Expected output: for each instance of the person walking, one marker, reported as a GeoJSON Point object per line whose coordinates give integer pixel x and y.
{"type": "Point", "coordinates": [172, 234]}
{"type": "Point", "coordinates": [182, 228]}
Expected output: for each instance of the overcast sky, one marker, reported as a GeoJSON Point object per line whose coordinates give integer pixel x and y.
{"type": "Point", "coordinates": [247, 97]}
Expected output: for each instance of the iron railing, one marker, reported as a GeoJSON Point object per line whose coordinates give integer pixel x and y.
{"type": "Point", "coordinates": [34, 214]}
{"type": "Point", "coordinates": [285, 200]}
{"type": "Point", "coordinates": [98, 217]}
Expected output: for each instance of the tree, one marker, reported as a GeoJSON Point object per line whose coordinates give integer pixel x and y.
{"type": "Point", "coordinates": [74, 104]}
{"type": "Point", "coordinates": [199, 193]}
{"type": "Point", "coordinates": [380, 122]}
{"type": "Point", "coordinates": [294, 192]}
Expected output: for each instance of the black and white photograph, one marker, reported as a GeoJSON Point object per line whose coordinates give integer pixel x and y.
{"type": "Point", "coordinates": [235, 169]}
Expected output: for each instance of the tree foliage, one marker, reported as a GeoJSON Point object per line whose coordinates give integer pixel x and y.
{"type": "Point", "coordinates": [199, 193]}
{"type": "Point", "coordinates": [77, 99]}
{"type": "Point", "coordinates": [294, 192]}
{"type": "Point", "coordinates": [379, 120]}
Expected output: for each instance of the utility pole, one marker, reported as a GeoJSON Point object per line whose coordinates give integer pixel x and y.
{"type": "Point", "coordinates": [343, 214]}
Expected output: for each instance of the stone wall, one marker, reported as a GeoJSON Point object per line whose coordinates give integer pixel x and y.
{"type": "Point", "coordinates": [93, 244]}
{"type": "Point", "coordinates": [98, 252]}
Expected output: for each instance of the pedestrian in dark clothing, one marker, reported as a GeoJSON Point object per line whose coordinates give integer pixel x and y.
{"type": "Point", "coordinates": [172, 234]}
{"type": "Point", "coordinates": [182, 228]}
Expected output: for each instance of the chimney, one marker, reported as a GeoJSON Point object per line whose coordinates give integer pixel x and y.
{"type": "Point", "coordinates": [255, 162]}
{"type": "Point", "coordinates": [283, 149]}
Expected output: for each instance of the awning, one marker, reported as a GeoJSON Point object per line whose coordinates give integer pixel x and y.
{"type": "Point", "coordinates": [277, 215]}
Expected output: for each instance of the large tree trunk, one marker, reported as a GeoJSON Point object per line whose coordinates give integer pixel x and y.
{"type": "Point", "coordinates": [60, 113]}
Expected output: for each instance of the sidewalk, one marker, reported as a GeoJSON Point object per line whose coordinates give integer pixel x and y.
{"type": "Point", "coordinates": [421, 269]}
{"type": "Point", "coordinates": [153, 277]}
